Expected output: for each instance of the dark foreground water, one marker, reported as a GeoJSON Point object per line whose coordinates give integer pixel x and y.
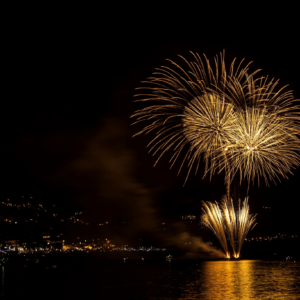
{"type": "Point", "coordinates": [153, 279]}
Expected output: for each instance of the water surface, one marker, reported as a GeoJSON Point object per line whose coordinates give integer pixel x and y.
{"type": "Point", "coordinates": [154, 279]}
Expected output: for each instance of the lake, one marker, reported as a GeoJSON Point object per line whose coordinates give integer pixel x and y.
{"type": "Point", "coordinates": [153, 279]}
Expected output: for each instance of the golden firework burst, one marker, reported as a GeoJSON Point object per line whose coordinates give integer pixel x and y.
{"type": "Point", "coordinates": [207, 122]}
{"type": "Point", "coordinates": [261, 144]}
{"type": "Point", "coordinates": [234, 122]}
{"type": "Point", "coordinates": [191, 109]}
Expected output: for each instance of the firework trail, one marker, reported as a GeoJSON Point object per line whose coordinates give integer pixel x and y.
{"type": "Point", "coordinates": [214, 220]}
{"type": "Point", "coordinates": [230, 222]}
{"type": "Point", "coordinates": [245, 222]}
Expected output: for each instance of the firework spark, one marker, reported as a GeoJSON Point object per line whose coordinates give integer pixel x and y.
{"type": "Point", "coordinates": [190, 113]}
{"type": "Point", "coordinates": [245, 222]}
{"type": "Point", "coordinates": [235, 223]}
{"type": "Point", "coordinates": [264, 140]}
{"type": "Point", "coordinates": [207, 123]}
{"type": "Point", "coordinates": [234, 122]}
{"type": "Point", "coordinates": [214, 220]}
{"type": "Point", "coordinates": [261, 144]}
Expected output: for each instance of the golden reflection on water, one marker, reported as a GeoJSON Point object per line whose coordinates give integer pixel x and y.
{"type": "Point", "coordinates": [244, 279]}
{"type": "Point", "coordinates": [228, 278]}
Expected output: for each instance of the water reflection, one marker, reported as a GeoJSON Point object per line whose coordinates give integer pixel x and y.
{"type": "Point", "coordinates": [154, 279]}
{"type": "Point", "coordinates": [228, 279]}
{"type": "Point", "coordinates": [244, 280]}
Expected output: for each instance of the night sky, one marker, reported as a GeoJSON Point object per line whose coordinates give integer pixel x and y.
{"type": "Point", "coordinates": [67, 95]}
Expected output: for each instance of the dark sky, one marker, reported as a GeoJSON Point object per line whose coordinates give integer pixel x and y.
{"type": "Point", "coordinates": [67, 95]}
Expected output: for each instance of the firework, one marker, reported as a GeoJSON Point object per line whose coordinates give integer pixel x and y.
{"type": "Point", "coordinates": [191, 111]}
{"type": "Point", "coordinates": [230, 222]}
{"type": "Point", "coordinates": [263, 141]}
{"type": "Point", "coordinates": [214, 220]}
{"type": "Point", "coordinates": [245, 222]}
{"type": "Point", "coordinates": [234, 122]}
{"type": "Point", "coordinates": [262, 146]}
{"type": "Point", "coordinates": [207, 122]}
